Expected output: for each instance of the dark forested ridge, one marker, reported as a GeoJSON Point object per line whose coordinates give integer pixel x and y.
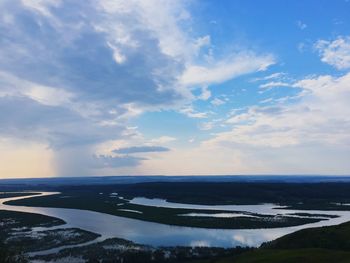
{"type": "Point", "coordinates": [298, 195]}
{"type": "Point", "coordinates": [238, 193]}
{"type": "Point", "coordinates": [328, 237]}
{"type": "Point", "coordinates": [325, 196]}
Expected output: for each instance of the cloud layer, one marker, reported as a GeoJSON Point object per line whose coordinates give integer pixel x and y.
{"type": "Point", "coordinates": [336, 52]}
{"type": "Point", "coordinates": [141, 149]}
{"type": "Point", "coordinates": [73, 74]}
{"type": "Point", "coordinates": [79, 82]}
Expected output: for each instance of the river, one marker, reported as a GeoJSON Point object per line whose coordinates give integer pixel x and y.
{"type": "Point", "coordinates": [155, 234]}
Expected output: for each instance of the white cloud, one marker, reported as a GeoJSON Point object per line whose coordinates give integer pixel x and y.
{"type": "Point", "coordinates": [301, 47]}
{"type": "Point", "coordinates": [227, 69]}
{"type": "Point", "coordinates": [301, 25]}
{"type": "Point", "coordinates": [117, 54]}
{"type": "Point", "coordinates": [205, 94]}
{"type": "Point", "coordinates": [320, 116]}
{"type": "Point", "coordinates": [190, 112]}
{"type": "Point", "coordinates": [158, 21]}
{"type": "Point", "coordinates": [42, 6]}
{"type": "Point", "coordinates": [95, 38]}
{"type": "Point", "coordinates": [284, 138]}
{"type": "Point", "coordinates": [217, 102]}
{"type": "Point", "coordinates": [274, 84]}
{"type": "Point", "coordinates": [335, 53]}
{"type": "Point", "coordinates": [266, 100]}
{"type": "Point", "coordinates": [72, 74]}
{"type": "Point", "coordinates": [277, 75]}
{"type": "Point", "coordinates": [13, 86]}
{"type": "Point", "coordinates": [278, 139]}
{"type": "Point", "coordinates": [202, 42]}
{"type": "Point", "coordinates": [205, 126]}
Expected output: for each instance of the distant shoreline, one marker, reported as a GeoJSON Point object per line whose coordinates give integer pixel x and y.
{"type": "Point", "coordinates": [126, 179]}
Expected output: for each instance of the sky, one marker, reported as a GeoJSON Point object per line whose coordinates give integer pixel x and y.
{"type": "Point", "coordinates": [172, 87]}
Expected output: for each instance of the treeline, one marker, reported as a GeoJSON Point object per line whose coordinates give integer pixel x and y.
{"type": "Point", "coordinates": [8, 255]}
{"type": "Point", "coordinates": [228, 193]}
{"type": "Point", "coordinates": [97, 253]}
{"type": "Point", "coordinates": [219, 192]}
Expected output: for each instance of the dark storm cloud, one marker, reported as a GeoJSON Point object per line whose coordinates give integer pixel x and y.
{"type": "Point", "coordinates": [141, 149]}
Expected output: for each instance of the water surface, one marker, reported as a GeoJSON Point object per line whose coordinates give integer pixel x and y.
{"type": "Point", "coordinates": [156, 234]}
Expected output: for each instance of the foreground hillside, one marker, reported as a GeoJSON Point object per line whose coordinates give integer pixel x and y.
{"type": "Point", "coordinates": [330, 237]}
{"type": "Point", "coordinates": [314, 245]}
{"type": "Point", "coordinates": [293, 256]}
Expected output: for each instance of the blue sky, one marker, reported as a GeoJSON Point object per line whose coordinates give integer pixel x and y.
{"type": "Point", "coordinates": [174, 87]}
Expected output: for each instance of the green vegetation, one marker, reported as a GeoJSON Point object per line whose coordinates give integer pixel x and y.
{"type": "Point", "coordinates": [304, 196]}
{"type": "Point", "coordinates": [290, 256]}
{"type": "Point", "coordinates": [120, 250]}
{"type": "Point", "coordinates": [11, 222]}
{"type": "Point", "coordinates": [325, 195]}
{"type": "Point", "coordinates": [43, 240]}
{"type": "Point", "coordinates": [8, 255]}
{"type": "Point", "coordinates": [17, 235]}
{"type": "Point", "coordinates": [328, 237]}
{"type": "Point", "coordinates": [19, 220]}
{"type": "Point", "coordinates": [105, 203]}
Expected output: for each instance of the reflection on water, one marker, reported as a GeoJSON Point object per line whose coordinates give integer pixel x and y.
{"type": "Point", "coordinates": [266, 209]}
{"type": "Point", "coordinates": [218, 215]}
{"type": "Point", "coordinates": [164, 235]}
